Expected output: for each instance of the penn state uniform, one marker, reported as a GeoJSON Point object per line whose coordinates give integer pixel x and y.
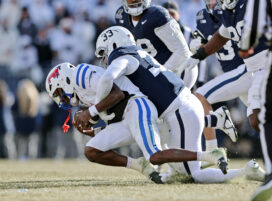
{"type": "Point", "coordinates": [174, 102]}
{"type": "Point", "coordinates": [161, 47]}
{"type": "Point", "coordinates": [86, 79]}
{"type": "Point", "coordinates": [223, 87]}
{"type": "Point", "coordinates": [232, 24]}
{"type": "Point", "coordinates": [179, 113]}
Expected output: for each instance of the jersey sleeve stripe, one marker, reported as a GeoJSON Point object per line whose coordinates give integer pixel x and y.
{"type": "Point", "coordinates": [78, 72]}
{"type": "Point", "coordinates": [150, 127]}
{"type": "Point", "coordinates": [83, 77]}
{"type": "Point", "coordinates": [142, 129]}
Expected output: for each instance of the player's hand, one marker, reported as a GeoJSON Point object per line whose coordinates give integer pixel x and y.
{"type": "Point", "coordinates": [85, 129]}
{"type": "Point", "coordinates": [188, 64]}
{"type": "Point", "coordinates": [195, 44]}
{"type": "Point", "coordinates": [81, 118]}
{"type": "Point", "coordinates": [244, 54]}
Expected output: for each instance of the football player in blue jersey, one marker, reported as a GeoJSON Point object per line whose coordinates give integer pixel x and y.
{"type": "Point", "coordinates": [156, 32]}
{"type": "Point", "coordinates": [221, 88]}
{"type": "Point", "coordinates": [230, 29]}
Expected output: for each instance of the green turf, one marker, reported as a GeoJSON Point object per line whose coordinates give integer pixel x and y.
{"type": "Point", "coordinates": [72, 180]}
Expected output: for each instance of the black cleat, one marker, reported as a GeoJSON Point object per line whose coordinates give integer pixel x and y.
{"type": "Point", "coordinates": [223, 165]}
{"type": "Point", "coordinates": [155, 177]}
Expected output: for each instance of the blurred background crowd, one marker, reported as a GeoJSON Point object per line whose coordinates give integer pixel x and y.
{"type": "Point", "coordinates": [38, 34]}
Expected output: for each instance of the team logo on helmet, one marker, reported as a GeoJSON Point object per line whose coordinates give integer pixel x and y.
{"type": "Point", "coordinates": [54, 74]}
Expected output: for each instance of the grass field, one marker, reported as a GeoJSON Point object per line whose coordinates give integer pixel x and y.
{"type": "Point", "coordinates": [72, 180]}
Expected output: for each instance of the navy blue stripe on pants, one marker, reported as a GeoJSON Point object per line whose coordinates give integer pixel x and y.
{"type": "Point", "coordinates": [224, 83]}
{"type": "Point", "coordinates": [182, 139]}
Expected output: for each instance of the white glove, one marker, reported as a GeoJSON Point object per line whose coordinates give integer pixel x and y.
{"type": "Point", "coordinates": [188, 64]}
{"type": "Point", "coordinates": [195, 44]}
{"type": "Point", "coordinates": [106, 117]}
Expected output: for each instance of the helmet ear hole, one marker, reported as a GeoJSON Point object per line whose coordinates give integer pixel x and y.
{"type": "Point", "coordinates": [114, 45]}
{"type": "Point", "coordinates": [68, 80]}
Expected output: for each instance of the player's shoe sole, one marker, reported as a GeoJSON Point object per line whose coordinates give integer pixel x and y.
{"type": "Point", "coordinates": [226, 124]}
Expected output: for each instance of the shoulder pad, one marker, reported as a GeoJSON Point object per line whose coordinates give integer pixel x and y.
{"type": "Point", "coordinates": [158, 15]}
{"type": "Point", "coordinates": [119, 13]}
{"type": "Point", "coordinates": [200, 15]}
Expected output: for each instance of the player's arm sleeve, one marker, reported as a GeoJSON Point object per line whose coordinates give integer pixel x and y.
{"type": "Point", "coordinates": [117, 68]}
{"type": "Point", "coordinates": [223, 31]}
{"type": "Point", "coordinates": [254, 23]}
{"type": "Point", "coordinates": [173, 38]}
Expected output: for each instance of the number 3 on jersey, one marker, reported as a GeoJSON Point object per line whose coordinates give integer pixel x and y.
{"type": "Point", "coordinates": [147, 46]}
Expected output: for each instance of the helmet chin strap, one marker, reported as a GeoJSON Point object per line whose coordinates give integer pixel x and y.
{"type": "Point", "coordinates": [65, 126]}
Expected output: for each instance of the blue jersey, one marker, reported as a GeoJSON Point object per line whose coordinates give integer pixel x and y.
{"type": "Point", "coordinates": [144, 31]}
{"type": "Point", "coordinates": [233, 21]}
{"type": "Point", "coordinates": [160, 85]}
{"type": "Point", "coordinates": [208, 25]}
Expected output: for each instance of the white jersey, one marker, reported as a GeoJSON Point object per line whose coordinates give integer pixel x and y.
{"type": "Point", "coordinates": [86, 79]}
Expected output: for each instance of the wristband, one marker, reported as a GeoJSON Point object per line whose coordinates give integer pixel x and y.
{"type": "Point", "coordinates": [93, 111]}
{"type": "Point", "coordinates": [200, 54]}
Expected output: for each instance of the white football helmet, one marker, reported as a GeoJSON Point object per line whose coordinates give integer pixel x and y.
{"type": "Point", "coordinates": [209, 5]}
{"type": "Point", "coordinates": [136, 8]}
{"type": "Point", "coordinates": [59, 85]}
{"type": "Point", "coordinates": [112, 38]}
{"type": "Point", "coordinates": [228, 4]}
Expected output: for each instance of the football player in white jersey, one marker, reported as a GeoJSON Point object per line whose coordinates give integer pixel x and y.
{"type": "Point", "coordinates": [72, 86]}
{"type": "Point", "coordinates": [132, 119]}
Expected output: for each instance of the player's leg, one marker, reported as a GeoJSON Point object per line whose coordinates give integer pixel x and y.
{"type": "Point", "coordinates": [264, 192]}
{"type": "Point", "coordinates": [222, 88]}
{"type": "Point", "coordinates": [99, 148]}
{"type": "Point", "coordinates": [146, 134]}
{"type": "Point", "coordinates": [185, 136]}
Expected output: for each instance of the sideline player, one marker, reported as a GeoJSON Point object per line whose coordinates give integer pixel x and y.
{"type": "Point", "coordinates": [156, 32]}
{"type": "Point", "coordinates": [231, 28]}
{"type": "Point", "coordinates": [258, 22]}
{"type": "Point", "coordinates": [68, 86]}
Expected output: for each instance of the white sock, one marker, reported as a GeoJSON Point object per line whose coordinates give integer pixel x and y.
{"type": "Point", "coordinates": [199, 155]}
{"type": "Point", "coordinates": [129, 161]}
{"type": "Point", "coordinates": [133, 164]}
{"type": "Point", "coordinates": [211, 144]}
{"type": "Point", "coordinates": [212, 175]}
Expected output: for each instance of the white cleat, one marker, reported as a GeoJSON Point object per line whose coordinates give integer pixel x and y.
{"type": "Point", "coordinates": [219, 157]}
{"type": "Point", "coordinates": [225, 123]}
{"type": "Point", "coordinates": [148, 170]}
{"type": "Point", "coordinates": [254, 171]}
